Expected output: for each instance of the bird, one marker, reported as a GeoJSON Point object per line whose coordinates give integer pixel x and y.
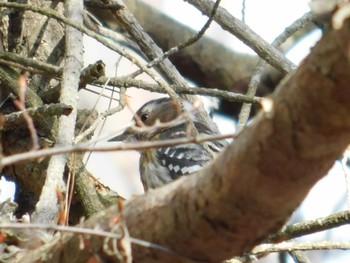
{"type": "Point", "coordinates": [163, 119]}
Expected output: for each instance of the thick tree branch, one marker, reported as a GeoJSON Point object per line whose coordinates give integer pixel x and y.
{"type": "Point", "coordinates": [252, 188]}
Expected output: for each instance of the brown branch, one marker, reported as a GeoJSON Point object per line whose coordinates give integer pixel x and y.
{"type": "Point", "coordinates": [9, 79]}
{"type": "Point", "coordinates": [253, 186]}
{"type": "Point", "coordinates": [14, 119]}
{"type": "Point", "coordinates": [20, 104]}
{"type": "Point", "coordinates": [92, 72]}
{"type": "Point", "coordinates": [32, 63]}
{"type": "Point", "coordinates": [92, 196]}
{"type": "Point", "coordinates": [129, 82]}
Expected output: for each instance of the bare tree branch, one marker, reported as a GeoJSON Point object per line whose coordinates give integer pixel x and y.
{"type": "Point", "coordinates": [312, 226]}
{"type": "Point", "coordinates": [47, 208]}
{"type": "Point", "coordinates": [291, 246]}
{"type": "Point", "coordinates": [258, 72]}
{"type": "Point", "coordinates": [14, 119]}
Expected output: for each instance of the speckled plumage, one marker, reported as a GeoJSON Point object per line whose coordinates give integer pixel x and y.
{"type": "Point", "coordinates": [163, 165]}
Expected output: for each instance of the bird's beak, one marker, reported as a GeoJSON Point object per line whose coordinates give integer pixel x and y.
{"type": "Point", "coordinates": [127, 136]}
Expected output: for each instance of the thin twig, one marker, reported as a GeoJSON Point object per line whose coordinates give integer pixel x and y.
{"type": "Point", "coordinates": [258, 72]}
{"type": "Point", "coordinates": [344, 161]}
{"type": "Point", "coordinates": [85, 147]}
{"type": "Point", "coordinates": [130, 82]}
{"type": "Point", "coordinates": [227, 95]}
{"type": "Point", "coordinates": [102, 117]}
{"type": "Point", "coordinates": [152, 51]}
{"type": "Point", "coordinates": [243, 10]}
{"type": "Point", "coordinates": [312, 226]}
{"type": "Point", "coordinates": [95, 25]}
{"type": "Point", "coordinates": [147, 45]}
{"type": "Point", "coordinates": [183, 45]}
{"type": "Point", "coordinates": [290, 246]}
{"type": "Point", "coordinates": [20, 104]}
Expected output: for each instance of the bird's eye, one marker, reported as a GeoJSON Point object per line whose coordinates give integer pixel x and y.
{"type": "Point", "coordinates": [144, 117]}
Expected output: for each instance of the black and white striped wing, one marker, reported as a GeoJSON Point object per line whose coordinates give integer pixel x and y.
{"type": "Point", "coordinates": [187, 158]}
{"type": "Point", "coordinates": [183, 159]}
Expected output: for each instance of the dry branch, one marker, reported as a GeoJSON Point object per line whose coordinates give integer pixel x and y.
{"type": "Point", "coordinates": [13, 120]}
